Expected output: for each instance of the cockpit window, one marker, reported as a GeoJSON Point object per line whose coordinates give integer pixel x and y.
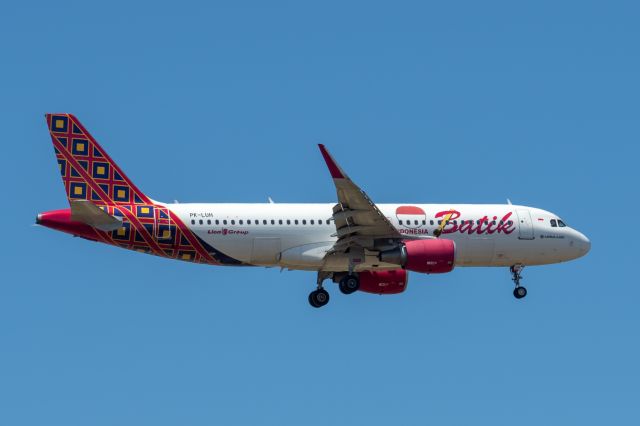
{"type": "Point", "coordinates": [553, 223]}
{"type": "Point", "coordinates": [561, 224]}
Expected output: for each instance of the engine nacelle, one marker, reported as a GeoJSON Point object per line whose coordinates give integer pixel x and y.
{"type": "Point", "coordinates": [383, 282]}
{"type": "Point", "coordinates": [432, 256]}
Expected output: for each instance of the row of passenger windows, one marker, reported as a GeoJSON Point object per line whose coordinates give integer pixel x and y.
{"type": "Point", "coordinates": [455, 222]}
{"type": "Point", "coordinates": [328, 221]}
{"type": "Point", "coordinates": [257, 222]}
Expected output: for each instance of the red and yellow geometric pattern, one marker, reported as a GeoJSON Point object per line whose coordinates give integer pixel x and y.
{"type": "Point", "coordinates": [88, 173]}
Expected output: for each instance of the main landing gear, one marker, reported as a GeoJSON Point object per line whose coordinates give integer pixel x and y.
{"type": "Point", "coordinates": [320, 297]}
{"type": "Point", "coordinates": [349, 284]}
{"type": "Point", "coordinates": [519, 292]}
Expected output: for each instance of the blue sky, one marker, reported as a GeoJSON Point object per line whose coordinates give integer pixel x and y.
{"type": "Point", "coordinates": [420, 102]}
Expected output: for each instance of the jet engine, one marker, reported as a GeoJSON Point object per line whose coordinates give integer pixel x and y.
{"type": "Point", "coordinates": [432, 256]}
{"type": "Point", "coordinates": [383, 282]}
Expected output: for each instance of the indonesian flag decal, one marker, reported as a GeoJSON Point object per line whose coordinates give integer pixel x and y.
{"type": "Point", "coordinates": [409, 215]}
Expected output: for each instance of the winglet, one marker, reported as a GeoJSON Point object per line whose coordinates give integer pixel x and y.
{"type": "Point", "coordinates": [334, 169]}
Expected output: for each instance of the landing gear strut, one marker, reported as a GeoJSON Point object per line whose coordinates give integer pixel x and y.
{"type": "Point", "coordinates": [519, 292]}
{"type": "Point", "coordinates": [320, 297]}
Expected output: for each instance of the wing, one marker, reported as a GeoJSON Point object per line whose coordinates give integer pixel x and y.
{"type": "Point", "coordinates": [358, 220]}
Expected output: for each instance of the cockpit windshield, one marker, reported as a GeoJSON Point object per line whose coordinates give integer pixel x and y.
{"type": "Point", "coordinates": [557, 222]}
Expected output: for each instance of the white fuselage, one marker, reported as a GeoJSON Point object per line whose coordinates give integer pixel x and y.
{"type": "Point", "coordinates": [297, 236]}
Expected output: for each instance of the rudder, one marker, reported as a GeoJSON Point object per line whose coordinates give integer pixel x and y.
{"type": "Point", "coordinates": [88, 172]}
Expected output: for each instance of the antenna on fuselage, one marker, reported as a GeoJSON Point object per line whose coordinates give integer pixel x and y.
{"type": "Point", "coordinates": [508, 201]}
{"type": "Point", "coordinates": [270, 200]}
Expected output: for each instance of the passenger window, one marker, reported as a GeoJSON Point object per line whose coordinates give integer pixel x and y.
{"type": "Point", "coordinates": [208, 221]}
{"type": "Point", "coordinates": [295, 221]}
{"type": "Point", "coordinates": [553, 223]}
{"type": "Point", "coordinates": [510, 223]}
{"type": "Point", "coordinates": [288, 221]}
{"type": "Point", "coordinates": [478, 222]}
{"type": "Point", "coordinates": [400, 222]}
{"type": "Point", "coordinates": [224, 221]}
{"type": "Point", "coordinates": [240, 222]}
{"type": "Point", "coordinates": [431, 222]}
{"type": "Point", "coordinates": [280, 222]}
{"type": "Point", "coordinates": [193, 222]}
{"type": "Point", "coordinates": [439, 222]}
{"type": "Point", "coordinates": [561, 224]}
{"type": "Point", "coordinates": [328, 221]}
{"type": "Point", "coordinates": [424, 222]}
{"type": "Point", "coordinates": [200, 221]}
{"type": "Point", "coordinates": [233, 222]}
{"type": "Point", "coordinates": [257, 222]}
{"type": "Point", "coordinates": [264, 221]}
{"type": "Point", "coordinates": [319, 221]}
{"type": "Point", "coordinates": [217, 222]}
{"type": "Point", "coordinates": [311, 222]}
{"type": "Point", "coordinates": [304, 221]}
{"type": "Point", "coordinates": [273, 221]}
{"type": "Point", "coordinates": [248, 221]}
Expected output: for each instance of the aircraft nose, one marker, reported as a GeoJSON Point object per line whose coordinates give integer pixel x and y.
{"type": "Point", "coordinates": [583, 243]}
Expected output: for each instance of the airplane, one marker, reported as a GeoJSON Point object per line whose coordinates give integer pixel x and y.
{"type": "Point", "coordinates": [356, 243]}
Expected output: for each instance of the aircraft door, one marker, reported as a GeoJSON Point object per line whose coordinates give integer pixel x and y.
{"type": "Point", "coordinates": [525, 225]}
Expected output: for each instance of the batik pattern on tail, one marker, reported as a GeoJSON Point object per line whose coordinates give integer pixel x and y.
{"type": "Point", "coordinates": [89, 173]}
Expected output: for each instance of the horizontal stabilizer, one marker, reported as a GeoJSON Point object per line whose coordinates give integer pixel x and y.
{"type": "Point", "coordinates": [88, 213]}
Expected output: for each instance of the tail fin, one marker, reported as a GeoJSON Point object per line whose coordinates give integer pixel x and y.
{"type": "Point", "coordinates": [88, 173]}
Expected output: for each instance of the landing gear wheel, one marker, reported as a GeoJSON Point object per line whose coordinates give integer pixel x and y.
{"type": "Point", "coordinates": [516, 275]}
{"type": "Point", "coordinates": [318, 298]}
{"type": "Point", "coordinates": [349, 284]}
{"type": "Point", "coordinates": [519, 292]}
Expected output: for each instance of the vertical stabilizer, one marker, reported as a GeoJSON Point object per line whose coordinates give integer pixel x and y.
{"type": "Point", "coordinates": [88, 173]}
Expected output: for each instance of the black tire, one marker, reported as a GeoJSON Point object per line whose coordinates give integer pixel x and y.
{"type": "Point", "coordinates": [318, 298]}
{"type": "Point", "coordinates": [349, 284]}
{"type": "Point", "coordinates": [519, 292]}
{"type": "Point", "coordinates": [312, 299]}
{"type": "Point", "coordinates": [322, 297]}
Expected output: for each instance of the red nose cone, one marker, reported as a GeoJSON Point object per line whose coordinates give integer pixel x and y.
{"type": "Point", "coordinates": [60, 220]}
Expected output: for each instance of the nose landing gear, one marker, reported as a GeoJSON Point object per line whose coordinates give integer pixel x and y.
{"type": "Point", "coordinates": [519, 292]}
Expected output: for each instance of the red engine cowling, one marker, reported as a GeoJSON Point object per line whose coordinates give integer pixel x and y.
{"type": "Point", "coordinates": [432, 256]}
{"type": "Point", "coordinates": [435, 256]}
{"type": "Point", "coordinates": [384, 282]}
